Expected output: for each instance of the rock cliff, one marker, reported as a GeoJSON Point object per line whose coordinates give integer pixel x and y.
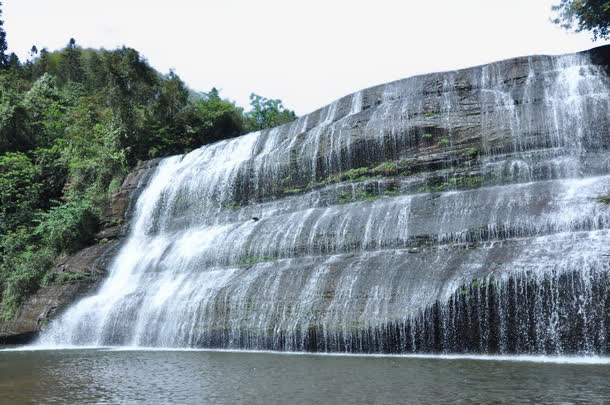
{"type": "Point", "coordinates": [453, 211]}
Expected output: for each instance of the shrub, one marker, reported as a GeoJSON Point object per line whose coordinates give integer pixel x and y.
{"type": "Point", "coordinates": [21, 276]}
{"type": "Point", "coordinates": [443, 142]}
{"type": "Point", "coordinates": [67, 227]}
{"type": "Point", "coordinates": [471, 153]}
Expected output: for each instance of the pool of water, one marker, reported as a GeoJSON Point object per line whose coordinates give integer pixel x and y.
{"type": "Point", "coordinates": [191, 376]}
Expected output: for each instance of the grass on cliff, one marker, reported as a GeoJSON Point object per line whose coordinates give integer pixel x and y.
{"type": "Point", "coordinates": [451, 184]}
{"type": "Point", "coordinates": [384, 169]}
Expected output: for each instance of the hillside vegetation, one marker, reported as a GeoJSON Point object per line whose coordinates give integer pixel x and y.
{"type": "Point", "coordinates": [72, 123]}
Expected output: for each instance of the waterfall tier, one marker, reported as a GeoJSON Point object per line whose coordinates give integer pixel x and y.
{"type": "Point", "coordinates": [453, 211]}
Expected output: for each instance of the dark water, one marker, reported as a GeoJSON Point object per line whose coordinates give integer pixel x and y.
{"type": "Point", "coordinates": [110, 376]}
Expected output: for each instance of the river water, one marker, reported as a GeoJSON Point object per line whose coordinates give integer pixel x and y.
{"type": "Point", "coordinates": [223, 377]}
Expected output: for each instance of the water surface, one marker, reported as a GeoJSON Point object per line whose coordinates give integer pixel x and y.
{"type": "Point", "coordinates": [220, 377]}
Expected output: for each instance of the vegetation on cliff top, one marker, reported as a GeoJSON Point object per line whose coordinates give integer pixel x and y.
{"type": "Point", "coordinates": [72, 123]}
{"type": "Point", "coordinates": [585, 15]}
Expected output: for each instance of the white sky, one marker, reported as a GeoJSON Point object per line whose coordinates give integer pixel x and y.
{"type": "Point", "coordinates": [306, 53]}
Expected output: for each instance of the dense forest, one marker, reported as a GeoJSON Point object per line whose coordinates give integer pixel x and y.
{"type": "Point", "coordinates": [72, 124]}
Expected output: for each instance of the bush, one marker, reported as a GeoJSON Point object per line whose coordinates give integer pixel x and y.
{"type": "Point", "coordinates": [23, 276]}
{"type": "Point", "coordinates": [19, 190]}
{"type": "Point", "coordinates": [68, 227]}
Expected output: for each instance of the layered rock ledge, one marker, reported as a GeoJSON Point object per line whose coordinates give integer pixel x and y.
{"type": "Point", "coordinates": [447, 212]}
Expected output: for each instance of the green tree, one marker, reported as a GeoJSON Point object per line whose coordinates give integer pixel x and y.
{"type": "Point", "coordinates": [70, 66]}
{"type": "Point", "coordinates": [211, 119]}
{"type": "Point", "coordinates": [27, 184]}
{"type": "Point", "coordinates": [131, 87]}
{"type": "Point", "coordinates": [267, 113]}
{"type": "Point", "coordinates": [41, 64]}
{"type": "Point", "coordinates": [14, 135]}
{"type": "Point", "coordinates": [584, 15]}
{"type": "Point", "coordinates": [203, 120]}
{"type": "Point", "coordinates": [19, 190]}
{"type": "Point", "coordinates": [92, 151]}
{"type": "Point", "coordinates": [45, 110]}
{"type": "Point", "coordinates": [13, 62]}
{"type": "Point", "coordinates": [172, 99]}
{"type": "Point", "coordinates": [67, 227]}
{"type": "Point", "coordinates": [3, 46]}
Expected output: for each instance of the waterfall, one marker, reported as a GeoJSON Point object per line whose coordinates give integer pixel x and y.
{"type": "Point", "coordinates": [447, 212]}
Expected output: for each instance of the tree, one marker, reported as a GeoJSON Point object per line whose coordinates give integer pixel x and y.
{"type": "Point", "coordinates": [45, 111]}
{"type": "Point", "coordinates": [14, 135]}
{"type": "Point", "coordinates": [19, 190]}
{"type": "Point", "coordinates": [585, 15]}
{"type": "Point", "coordinates": [173, 97]}
{"type": "Point", "coordinates": [70, 66]}
{"type": "Point", "coordinates": [268, 113]}
{"type": "Point", "coordinates": [41, 64]}
{"type": "Point", "coordinates": [211, 119]}
{"type": "Point", "coordinates": [3, 46]}
{"type": "Point", "coordinates": [131, 86]}
{"type": "Point", "coordinates": [13, 62]}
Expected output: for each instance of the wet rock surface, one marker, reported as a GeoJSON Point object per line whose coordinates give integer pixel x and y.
{"type": "Point", "coordinates": [379, 219]}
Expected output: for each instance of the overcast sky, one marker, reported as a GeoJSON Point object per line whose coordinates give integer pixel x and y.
{"type": "Point", "coordinates": [306, 53]}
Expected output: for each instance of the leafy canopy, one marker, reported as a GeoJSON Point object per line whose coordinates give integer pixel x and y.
{"type": "Point", "coordinates": [268, 113]}
{"type": "Point", "coordinates": [585, 15]}
{"type": "Point", "coordinates": [3, 46]}
{"type": "Point", "coordinates": [72, 123]}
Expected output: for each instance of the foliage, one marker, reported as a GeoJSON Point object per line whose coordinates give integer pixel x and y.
{"type": "Point", "coordinates": [72, 123]}
{"type": "Point", "coordinates": [267, 113]}
{"type": "Point", "coordinates": [69, 277]}
{"type": "Point", "coordinates": [14, 134]}
{"type": "Point", "coordinates": [359, 195]}
{"type": "Point", "coordinates": [23, 275]}
{"type": "Point", "coordinates": [443, 142]}
{"type": "Point", "coordinates": [70, 65]}
{"type": "Point", "coordinates": [67, 227]}
{"type": "Point", "coordinates": [204, 120]}
{"type": "Point", "coordinates": [584, 15]}
{"type": "Point", "coordinates": [471, 153]}
{"type": "Point", "coordinates": [3, 46]}
{"type": "Point", "coordinates": [20, 192]}
{"type": "Point", "coordinates": [385, 168]}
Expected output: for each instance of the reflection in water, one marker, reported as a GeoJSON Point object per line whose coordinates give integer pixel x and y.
{"type": "Point", "coordinates": [108, 376]}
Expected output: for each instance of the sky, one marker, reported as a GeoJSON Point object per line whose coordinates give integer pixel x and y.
{"type": "Point", "coordinates": [306, 53]}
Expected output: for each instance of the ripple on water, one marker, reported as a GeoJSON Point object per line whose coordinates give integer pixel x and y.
{"type": "Point", "coordinates": [110, 375]}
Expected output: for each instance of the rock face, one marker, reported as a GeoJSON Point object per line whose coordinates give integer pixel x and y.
{"type": "Point", "coordinates": [82, 272]}
{"type": "Point", "coordinates": [453, 211]}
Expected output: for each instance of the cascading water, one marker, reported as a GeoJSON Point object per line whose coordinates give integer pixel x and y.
{"type": "Point", "coordinates": [446, 212]}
